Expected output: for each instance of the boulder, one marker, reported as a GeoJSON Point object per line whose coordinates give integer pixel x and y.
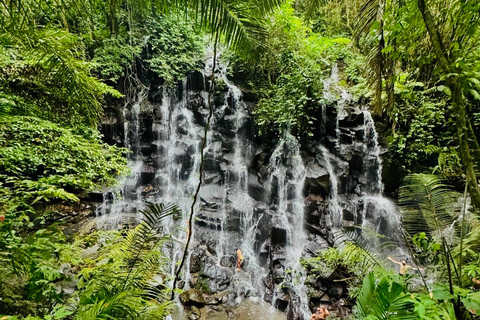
{"type": "Point", "coordinates": [255, 189]}
{"type": "Point", "coordinates": [193, 297]}
{"type": "Point", "coordinates": [317, 180]}
{"type": "Point", "coordinates": [316, 245]}
{"type": "Point", "coordinates": [336, 291]}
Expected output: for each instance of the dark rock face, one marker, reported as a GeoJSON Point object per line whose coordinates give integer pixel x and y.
{"type": "Point", "coordinates": [317, 179]}
{"type": "Point", "coordinates": [240, 200]}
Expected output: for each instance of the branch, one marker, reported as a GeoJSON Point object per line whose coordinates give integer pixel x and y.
{"type": "Point", "coordinates": [200, 181]}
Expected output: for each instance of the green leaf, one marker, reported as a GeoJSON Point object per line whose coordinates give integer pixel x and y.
{"type": "Point", "coordinates": [62, 312]}
{"type": "Point", "coordinates": [472, 302]}
{"type": "Point", "coordinates": [445, 90]}
{"type": "Point", "coordinates": [441, 292]}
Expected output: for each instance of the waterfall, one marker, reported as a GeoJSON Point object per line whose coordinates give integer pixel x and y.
{"type": "Point", "coordinates": [334, 206]}
{"type": "Point", "coordinates": [285, 193]}
{"type": "Point", "coordinates": [373, 159]}
{"type": "Point", "coordinates": [253, 195]}
{"type": "Point", "coordinates": [356, 166]}
{"type": "Point", "coordinates": [121, 205]}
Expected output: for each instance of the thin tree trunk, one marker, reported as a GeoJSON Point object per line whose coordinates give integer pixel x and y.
{"type": "Point", "coordinates": [457, 101]}
{"type": "Point", "coordinates": [474, 142]}
{"type": "Point", "coordinates": [190, 221]}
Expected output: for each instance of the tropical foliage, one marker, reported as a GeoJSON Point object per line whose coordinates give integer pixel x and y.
{"type": "Point", "coordinates": [289, 77]}
{"type": "Point", "coordinates": [442, 236]}
{"type": "Point", "coordinates": [114, 275]}
{"type": "Point", "coordinates": [416, 62]}
{"type": "Point", "coordinates": [42, 162]}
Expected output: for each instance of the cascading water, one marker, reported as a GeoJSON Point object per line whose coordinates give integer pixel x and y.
{"type": "Point", "coordinates": [253, 196]}
{"type": "Point", "coordinates": [373, 161]}
{"type": "Point", "coordinates": [360, 200]}
{"type": "Point", "coordinates": [286, 184]}
{"type": "Point", "coordinates": [122, 205]}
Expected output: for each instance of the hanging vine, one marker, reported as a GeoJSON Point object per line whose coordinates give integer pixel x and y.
{"type": "Point", "coordinates": [200, 181]}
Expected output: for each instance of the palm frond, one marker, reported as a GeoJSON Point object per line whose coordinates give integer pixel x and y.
{"type": "Point", "coordinates": [266, 6]}
{"type": "Point", "coordinates": [376, 63]}
{"type": "Point", "coordinates": [365, 297]}
{"type": "Point", "coordinates": [371, 12]}
{"type": "Point", "coordinates": [385, 299]}
{"type": "Point", "coordinates": [368, 239]}
{"type": "Point", "coordinates": [470, 247]}
{"type": "Point", "coordinates": [240, 22]}
{"type": "Point", "coordinates": [365, 248]}
{"type": "Point", "coordinates": [427, 204]}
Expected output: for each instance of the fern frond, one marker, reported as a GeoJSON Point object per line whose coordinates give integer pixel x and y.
{"type": "Point", "coordinates": [136, 242]}
{"type": "Point", "coordinates": [427, 204]}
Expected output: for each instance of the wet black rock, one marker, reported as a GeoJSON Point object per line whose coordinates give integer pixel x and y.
{"type": "Point", "coordinates": [282, 301]}
{"type": "Point", "coordinates": [196, 81]}
{"type": "Point", "coordinates": [278, 230]}
{"type": "Point", "coordinates": [228, 261]}
{"type": "Point", "coordinates": [315, 246]}
{"type": "Point", "coordinates": [219, 278]}
{"type": "Point", "coordinates": [336, 291]}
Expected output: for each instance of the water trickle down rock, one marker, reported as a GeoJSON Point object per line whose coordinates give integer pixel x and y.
{"type": "Point", "coordinates": [256, 197]}
{"type": "Point", "coordinates": [355, 170]}
{"type": "Point", "coordinates": [287, 239]}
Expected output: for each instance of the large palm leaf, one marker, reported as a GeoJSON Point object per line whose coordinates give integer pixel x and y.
{"type": "Point", "coordinates": [383, 300]}
{"type": "Point", "coordinates": [428, 205]}
{"type": "Point", "coordinates": [370, 14]}
{"type": "Point", "coordinates": [240, 22]}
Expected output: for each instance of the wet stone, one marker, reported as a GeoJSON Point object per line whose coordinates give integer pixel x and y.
{"type": "Point", "coordinates": [336, 291]}
{"type": "Point", "coordinates": [278, 231]}
{"type": "Point", "coordinates": [227, 261]}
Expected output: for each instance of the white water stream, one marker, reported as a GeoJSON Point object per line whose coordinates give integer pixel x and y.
{"type": "Point", "coordinates": [166, 169]}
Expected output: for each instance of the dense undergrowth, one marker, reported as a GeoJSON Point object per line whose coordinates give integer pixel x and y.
{"type": "Point", "coordinates": [60, 64]}
{"type": "Point", "coordinates": [289, 77]}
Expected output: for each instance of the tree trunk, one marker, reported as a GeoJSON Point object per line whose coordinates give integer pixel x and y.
{"type": "Point", "coordinates": [453, 82]}
{"type": "Point", "coordinates": [472, 138]}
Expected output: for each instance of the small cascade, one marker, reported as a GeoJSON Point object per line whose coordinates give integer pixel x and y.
{"type": "Point", "coordinates": [177, 159]}
{"type": "Point", "coordinates": [355, 170]}
{"type": "Point", "coordinates": [236, 181]}
{"type": "Point", "coordinates": [373, 160]}
{"type": "Point", "coordinates": [334, 206]}
{"type": "Point", "coordinates": [285, 194]}
{"type": "Point", "coordinates": [287, 176]}
{"type": "Point", "coordinates": [120, 206]}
